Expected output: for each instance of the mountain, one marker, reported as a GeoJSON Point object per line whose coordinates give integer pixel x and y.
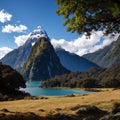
{"type": "Point", "coordinates": [18, 57]}
{"type": "Point", "coordinates": [73, 62]}
{"type": "Point", "coordinates": [43, 62]}
{"type": "Point", "coordinates": [40, 59]}
{"type": "Point", "coordinates": [106, 57]}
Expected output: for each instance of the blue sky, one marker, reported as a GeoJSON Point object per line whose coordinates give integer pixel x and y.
{"type": "Point", "coordinates": [32, 13]}
{"type": "Point", "coordinates": [20, 17]}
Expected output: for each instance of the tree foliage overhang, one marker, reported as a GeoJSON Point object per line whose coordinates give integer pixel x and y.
{"type": "Point", "coordinates": [87, 15]}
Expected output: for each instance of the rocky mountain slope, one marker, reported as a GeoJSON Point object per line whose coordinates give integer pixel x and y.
{"type": "Point", "coordinates": [74, 62]}
{"type": "Point", "coordinates": [18, 57]}
{"type": "Point", "coordinates": [43, 63]}
{"type": "Point", "coordinates": [106, 57]}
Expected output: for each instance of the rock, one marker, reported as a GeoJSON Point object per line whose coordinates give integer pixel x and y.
{"type": "Point", "coordinates": [111, 117]}
{"type": "Point", "coordinates": [90, 112]}
{"type": "Point", "coordinates": [4, 110]}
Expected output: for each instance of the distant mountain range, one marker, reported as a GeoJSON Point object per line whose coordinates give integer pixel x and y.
{"type": "Point", "coordinates": [74, 62]}
{"type": "Point", "coordinates": [18, 57]}
{"type": "Point", "coordinates": [36, 59]}
{"type": "Point", "coordinates": [106, 57]}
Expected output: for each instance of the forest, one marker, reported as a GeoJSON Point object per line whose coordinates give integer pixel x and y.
{"type": "Point", "coordinates": [94, 78]}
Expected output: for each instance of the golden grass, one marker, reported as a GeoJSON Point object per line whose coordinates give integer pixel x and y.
{"type": "Point", "coordinates": [103, 100]}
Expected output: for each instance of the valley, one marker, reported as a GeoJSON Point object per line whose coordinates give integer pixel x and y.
{"type": "Point", "coordinates": [54, 68]}
{"type": "Point", "coordinates": [37, 60]}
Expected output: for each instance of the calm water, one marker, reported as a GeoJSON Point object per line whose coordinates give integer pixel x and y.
{"type": "Point", "coordinates": [34, 89]}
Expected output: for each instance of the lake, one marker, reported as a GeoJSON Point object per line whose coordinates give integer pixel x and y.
{"type": "Point", "coordinates": [34, 90]}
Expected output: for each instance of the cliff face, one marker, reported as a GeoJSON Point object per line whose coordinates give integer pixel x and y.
{"type": "Point", "coordinates": [43, 63]}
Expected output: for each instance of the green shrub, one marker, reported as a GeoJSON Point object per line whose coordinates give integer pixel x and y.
{"type": "Point", "coordinates": [116, 108]}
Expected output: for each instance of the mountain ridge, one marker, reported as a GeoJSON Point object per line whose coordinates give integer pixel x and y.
{"type": "Point", "coordinates": [19, 56]}
{"type": "Point", "coordinates": [74, 62]}
{"type": "Point", "coordinates": [106, 57]}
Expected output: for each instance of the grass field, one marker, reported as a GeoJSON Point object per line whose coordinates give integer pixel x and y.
{"type": "Point", "coordinates": [49, 105]}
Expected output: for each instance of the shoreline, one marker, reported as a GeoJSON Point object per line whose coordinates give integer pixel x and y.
{"type": "Point", "coordinates": [84, 89]}
{"type": "Point", "coordinates": [88, 89]}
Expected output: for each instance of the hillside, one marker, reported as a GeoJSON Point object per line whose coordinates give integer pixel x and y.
{"type": "Point", "coordinates": [95, 77]}
{"type": "Point", "coordinates": [17, 57]}
{"type": "Point", "coordinates": [74, 62]}
{"type": "Point", "coordinates": [106, 57]}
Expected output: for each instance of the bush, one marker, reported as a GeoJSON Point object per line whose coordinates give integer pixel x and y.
{"type": "Point", "coordinates": [116, 108]}
{"type": "Point", "coordinates": [89, 83]}
{"type": "Point", "coordinates": [110, 82]}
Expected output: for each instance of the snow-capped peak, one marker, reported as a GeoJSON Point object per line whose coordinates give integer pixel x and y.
{"type": "Point", "coordinates": [36, 34]}
{"type": "Point", "coordinates": [39, 32]}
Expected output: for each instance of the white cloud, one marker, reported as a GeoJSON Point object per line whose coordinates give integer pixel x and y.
{"type": "Point", "coordinates": [20, 40]}
{"type": "Point", "coordinates": [11, 28]}
{"type": "Point", "coordinates": [4, 51]}
{"type": "Point", "coordinates": [4, 16]}
{"type": "Point", "coordinates": [82, 45]}
{"type": "Point", "coordinates": [79, 46]}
